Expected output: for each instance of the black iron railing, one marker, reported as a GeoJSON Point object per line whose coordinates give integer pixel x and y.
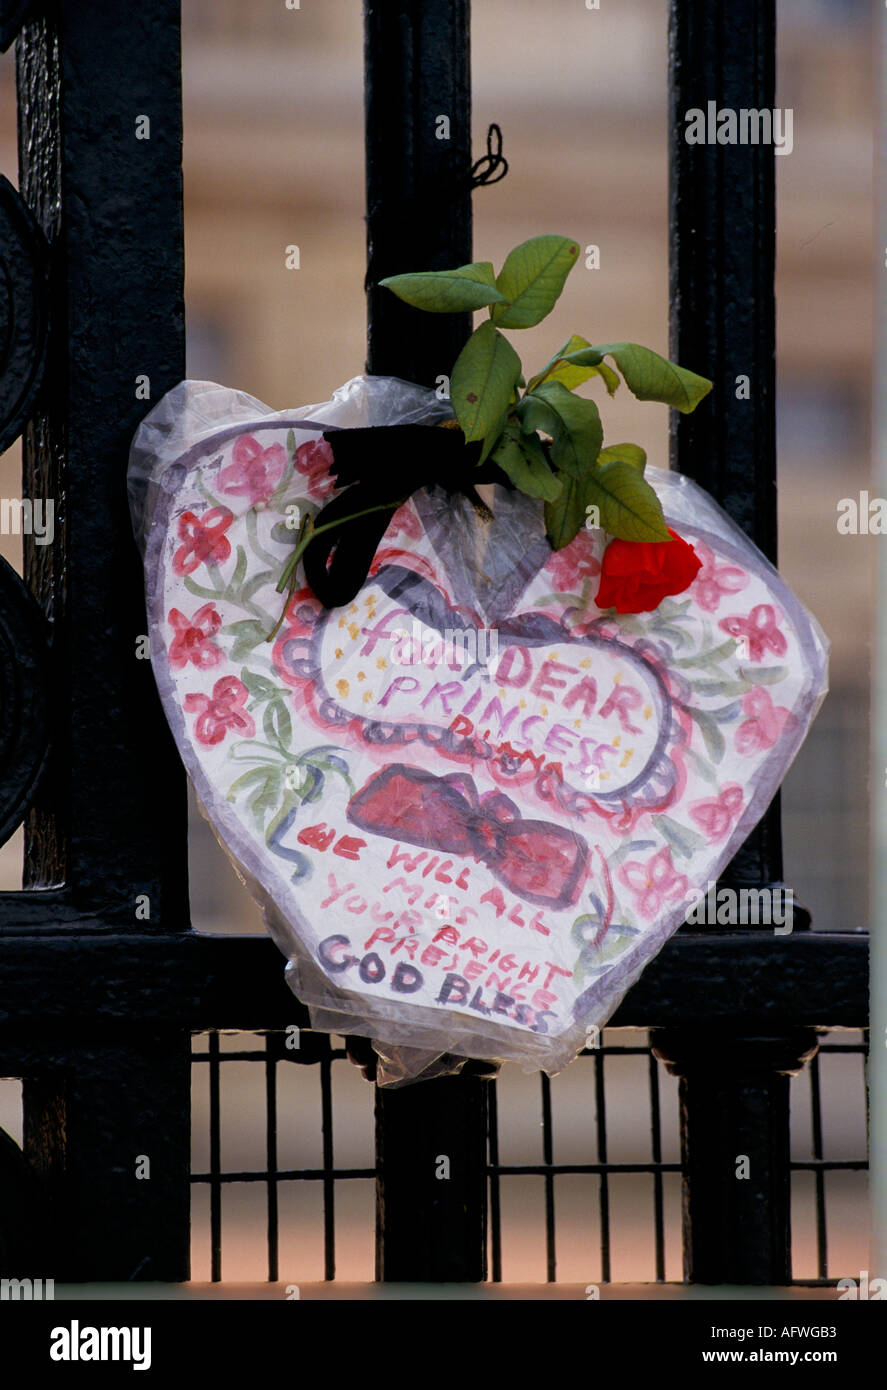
{"type": "Point", "coordinates": [269, 1053]}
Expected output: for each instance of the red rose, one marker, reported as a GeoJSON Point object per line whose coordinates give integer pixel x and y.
{"type": "Point", "coordinates": [637, 575]}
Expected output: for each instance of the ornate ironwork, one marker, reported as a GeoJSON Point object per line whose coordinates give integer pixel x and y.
{"type": "Point", "coordinates": [24, 315]}
{"type": "Point", "coordinates": [24, 312]}
{"type": "Point", "coordinates": [24, 732]}
{"type": "Point", "coordinates": [12, 17]}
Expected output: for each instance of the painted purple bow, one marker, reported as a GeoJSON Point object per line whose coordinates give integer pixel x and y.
{"type": "Point", "coordinates": [537, 860]}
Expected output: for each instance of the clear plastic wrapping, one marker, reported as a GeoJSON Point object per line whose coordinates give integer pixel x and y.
{"type": "Point", "coordinates": [471, 805]}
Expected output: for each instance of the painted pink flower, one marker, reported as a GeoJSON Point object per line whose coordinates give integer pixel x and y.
{"type": "Point", "coordinates": [716, 815]}
{"type": "Point", "coordinates": [714, 581]}
{"type": "Point", "coordinates": [253, 472]}
{"type": "Point", "coordinates": [404, 522]}
{"type": "Point", "coordinates": [314, 461]}
{"type": "Point", "coordinates": [204, 540]}
{"type": "Point", "coordinates": [192, 641]}
{"type": "Point", "coordinates": [654, 882]}
{"type": "Point", "coordinates": [765, 722]}
{"type": "Point", "coordinates": [220, 712]}
{"type": "Point", "coordinates": [576, 562]}
{"type": "Point", "coordinates": [759, 631]}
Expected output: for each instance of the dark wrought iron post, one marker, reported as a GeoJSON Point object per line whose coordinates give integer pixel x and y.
{"type": "Point", "coordinates": [429, 1226]}
{"type": "Point", "coordinates": [100, 163]}
{"type": "Point", "coordinates": [735, 1149]}
{"type": "Point", "coordinates": [734, 1085]}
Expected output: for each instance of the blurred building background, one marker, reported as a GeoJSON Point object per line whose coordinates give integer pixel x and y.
{"type": "Point", "coordinates": [274, 157]}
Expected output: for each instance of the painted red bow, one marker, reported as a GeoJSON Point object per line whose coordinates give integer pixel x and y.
{"type": "Point", "coordinates": [540, 862]}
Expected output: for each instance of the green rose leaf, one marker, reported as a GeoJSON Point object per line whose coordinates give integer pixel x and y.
{"type": "Point", "coordinates": [447, 291]}
{"type": "Point", "coordinates": [557, 369]}
{"type": "Point", "coordinates": [581, 362]}
{"type": "Point", "coordinates": [629, 508]}
{"type": "Point", "coordinates": [624, 453]}
{"type": "Point", "coordinates": [653, 378]}
{"type": "Point", "coordinates": [580, 353]}
{"type": "Point", "coordinates": [532, 278]}
{"type": "Point", "coordinates": [522, 457]}
{"type": "Point", "coordinates": [573, 423]}
{"type": "Point", "coordinates": [482, 384]}
{"type": "Point", "coordinates": [565, 514]}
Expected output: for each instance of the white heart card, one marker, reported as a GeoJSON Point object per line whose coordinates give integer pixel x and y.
{"type": "Point", "coordinates": [472, 804]}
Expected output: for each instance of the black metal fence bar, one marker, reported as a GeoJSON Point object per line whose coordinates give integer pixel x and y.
{"type": "Point", "coordinates": [656, 1148]}
{"type": "Point", "coordinates": [316, 1050]}
{"type": "Point", "coordinates": [548, 1161]}
{"type": "Point", "coordinates": [734, 1082]}
{"type": "Point", "coordinates": [271, 1159]}
{"type": "Point", "coordinates": [215, 1157]}
{"type": "Point", "coordinates": [419, 217]}
{"type": "Point", "coordinates": [329, 1191]}
{"type": "Point", "coordinates": [816, 1116]}
{"type": "Point", "coordinates": [600, 1094]}
{"type": "Point", "coordinates": [550, 1170]}
{"type": "Point", "coordinates": [723, 307]}
{"type": "Point", "coordinates": [493, 1170]}
{"type": "Point", "coordinates": [107, 834]}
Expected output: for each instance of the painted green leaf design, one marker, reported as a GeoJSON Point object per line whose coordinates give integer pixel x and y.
{"type": "Point", "coordinates": [482, 384]}
{"type": "Point", "coordinates": [258, 686]}
{"type": "Point", "coordinates": [266, 796]}
{"type": "Point", "coordinates": [522, 457]}
{"type": "Point", "coordinates": [702, 766]}
{"type": "Point", "coordinates": [248, 633]}
{"type": "Point", "coordinates": [277, 723]}
{"type": "Point", "coordinates": [713, 657]}
{"type": "Point", "coordinates": [629, 507]}
{"type": "Point", "coordinates": [239, 574]}
{"type": "Point", "coordinates": [532, 278]}
{"type": "Point", "coordinates": [723, 688]}
{"type": "Point", "coordinates": [447, 291]}
{"type": "Point", "coordinates": [711, 734]}
{"type": "Point", "coordinates": [763, 675]}
{"type": "Point", "coordinates": [670, 634]}
{"type": "Point", "coordinates": [255, 583]}
{"type": "Point", "coordinates": [684, 841]}
{"type": "Point", "coordinates": [246, 779]}
{"type": "Point", "coordinates": [653, 378]}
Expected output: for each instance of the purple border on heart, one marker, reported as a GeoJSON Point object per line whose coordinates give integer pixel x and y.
{"type": "Point", "coordinates": [303, 657]}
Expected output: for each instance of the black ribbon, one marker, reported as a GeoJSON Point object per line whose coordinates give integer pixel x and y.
{"type": "Point", "coordinates": [382, 466]}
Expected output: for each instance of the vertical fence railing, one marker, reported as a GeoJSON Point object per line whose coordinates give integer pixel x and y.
{"type": "Point", "coordinates": [419, 216]}
{"type": "Point", "coordinates": [107, 834]}
{"type": "Point", "coordinates": [734, 1088]}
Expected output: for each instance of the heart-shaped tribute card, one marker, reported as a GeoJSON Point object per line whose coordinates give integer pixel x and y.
{"type": "Point", "coordinates": [472, 805]}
